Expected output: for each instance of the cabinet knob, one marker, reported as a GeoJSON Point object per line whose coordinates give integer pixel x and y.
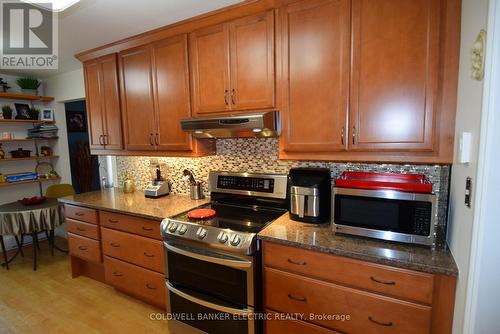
{"type": "Point", "coordinates": [353, 135]}
{"type": "Point", "coordinates": [157, 139]}
{"type": "Point", "coordinates": [233, 96]}
{"type": "Point", "coordinates": [225, 97]}
{"type": "Point", "coordinates": [298, 299]}
{"type": "Point", "coordinates": [386, 324]}
{"type": "Point", "coordinates": [382, 282]}
{"type": "Point", "coordinates": [301, 263]}
{"type": "Point", "coordinates": [151, 139]}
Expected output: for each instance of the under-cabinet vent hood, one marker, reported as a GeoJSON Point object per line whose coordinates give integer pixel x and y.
{"type": "Point", "coordinates": [257, 124]}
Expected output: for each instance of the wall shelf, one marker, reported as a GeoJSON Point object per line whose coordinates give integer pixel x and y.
{"type": "Point", "coordinates": [20, 96]}
{"type": "Point", "coordinates": [30, 121]}
{"type": "Point", "coordinates": [8, 184]}
{"type": "Point", "coordinates": [25, 140]}
{"type": "Point", "coordinates": [30, 158]}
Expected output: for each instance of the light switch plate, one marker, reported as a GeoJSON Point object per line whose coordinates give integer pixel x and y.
{"type": "Point", "coordinates": [464, 150]}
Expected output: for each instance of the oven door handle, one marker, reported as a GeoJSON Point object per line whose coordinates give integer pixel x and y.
{"type": "Point", "coordinates": [210, 305]}
{"type": "Point", "coordinates": [213, 259]}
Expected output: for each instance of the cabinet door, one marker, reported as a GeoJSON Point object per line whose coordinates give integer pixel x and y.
{"type": "Point", "coordinates": [210, 69]}
{"type": "Point", "coordinates": [315, 86]}
{"type": "Point", "coordinates": [252, 62]}
{"type": "Point", "coordinates": [394, 74]}
{"type": "Point", "coordinates": [94, 104]}
{"type": "Point", "coordinates": [171, 87]}
{"type": "Point", "coordinates": [111, 103]}
{"type": "Point", "coordinates": [137, 98]}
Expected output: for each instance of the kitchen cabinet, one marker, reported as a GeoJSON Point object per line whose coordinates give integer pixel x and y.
{"type": "Point", "coordinates": [377, 298]}
{"type": "Point", "coordinates": [315, 44]}
{"type": "Point", "coordinates": [232, 65]}
{"type": "Point", "coordinates": [395, 57]}
{"type": "Point", "coordinates": [155, 95]}
{"type": "Point", "coordinates": [103, 103]}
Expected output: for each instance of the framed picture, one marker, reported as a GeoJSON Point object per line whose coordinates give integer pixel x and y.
{"type": "Point", "coordinates": [47, 115]}
{"type": "Point", "coordinates": [76, 121]}
{"type": "Point", "coordinates": [22, 110]}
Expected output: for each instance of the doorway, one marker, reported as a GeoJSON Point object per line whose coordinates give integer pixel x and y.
{"type": "Point", "coordinates": [84, 166]}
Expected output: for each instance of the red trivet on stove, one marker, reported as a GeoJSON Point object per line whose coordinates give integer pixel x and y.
{"type": "Point", "coordinates": [201, 213]}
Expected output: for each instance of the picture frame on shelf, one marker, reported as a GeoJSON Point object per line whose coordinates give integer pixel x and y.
{"type": "Point", "coordinates": [76, 121]}
{"type": "Point", "coordinates": [47, 115]}
{"type": "Point", "coordinates": [22, 111]}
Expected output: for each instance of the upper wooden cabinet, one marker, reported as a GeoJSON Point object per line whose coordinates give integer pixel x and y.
{"type": "Point", "coordinates": [155, 95]}
{"type": "Point", "coordinates": [315, 44]}
{"type": "Point", "coordinates": [137, 98]}
{"type": "Point", "coordinates": [395, 57]}
{"type": "Point", "coordinates": [103, 104]}
{"type": "Point", "coordinates": [232, 65]}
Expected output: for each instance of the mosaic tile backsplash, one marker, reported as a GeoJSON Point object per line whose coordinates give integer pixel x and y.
{"type": "Point", "coordinates": [261, 155]}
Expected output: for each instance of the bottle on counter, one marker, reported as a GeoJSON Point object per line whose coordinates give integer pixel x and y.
{"type": "Point", "coordinates": [128, 184]}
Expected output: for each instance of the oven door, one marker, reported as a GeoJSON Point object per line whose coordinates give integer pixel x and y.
{"type": "Point", "coordinates": [208, 291]}
{"type": "Point", "coordinates": [385, 214]}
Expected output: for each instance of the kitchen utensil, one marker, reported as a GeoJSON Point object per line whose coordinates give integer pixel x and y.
{"type": "Point", "coordinates": [20, 153]}
{"type": "Point", "coordinates": [196, 191]}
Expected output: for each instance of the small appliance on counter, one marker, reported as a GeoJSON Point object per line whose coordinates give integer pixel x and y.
{"type": "Point", "coordinates": [159, 186]}
{"type": "Point", "coordinates": [310, 194]}
{"type": "Point", "coordinates": [394, 207]}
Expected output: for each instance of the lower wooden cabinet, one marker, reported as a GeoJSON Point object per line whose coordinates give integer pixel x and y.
{"type": "Point", "coordinates": [142, 283]}
{"type": "Point", "coordinates": [318, 285]}
{"type": "Point", "coordinates": [117, 249]}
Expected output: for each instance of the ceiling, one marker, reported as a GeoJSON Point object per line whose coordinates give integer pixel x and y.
{"type": "Point", "coordinates": [93, 23]}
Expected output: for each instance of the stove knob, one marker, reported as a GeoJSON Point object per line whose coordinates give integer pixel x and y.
{"type": "Point", "coordinates": [182, 229]}
{"type": "Point", "coordinates": [201, 233]}
{"type": "Point", "coordinates": [235, 240]}
{"type": "Point", "coordinates": [222, 237]}
{"type": "Point", "coordinates": [172, 227]}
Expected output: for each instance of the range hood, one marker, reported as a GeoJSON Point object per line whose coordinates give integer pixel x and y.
{"type": "Point", "coordinates": [256, 124]}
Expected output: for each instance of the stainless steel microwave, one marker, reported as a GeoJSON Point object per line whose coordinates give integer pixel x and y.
{"type": "Point", "coordinates": [385, 214]}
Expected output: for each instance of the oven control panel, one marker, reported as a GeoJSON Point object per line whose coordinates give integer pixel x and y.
{"type": "Point", "coordinates": [212, 236]}
{"type": "Point", "coordinates": [249, 184]}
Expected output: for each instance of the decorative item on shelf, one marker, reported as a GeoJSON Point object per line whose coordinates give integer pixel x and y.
{"type": "Point", "coordinates": [47, 115]}
{"type": "Point", "coordinates": [20, 153]}
{"type": "Point", "coordinates": [43, 131]}
{"type": "Point", "coordinates": [3, 178]}
{"type": "Point", "coordinates": [128, 184]}
{"type": "Point", "coordinates": [28, 85]}
{"type": "Point", "coordinates": [5, 86]}
{"type": "Point", "coordinates": [44, 170]}
{"type": "Point", "coordinates": [2, 152]}
{"type": "Point", "coordinates": [22, 111]}
{"type": "Point", "coordinates": [7, 111]}
{"type": "Point", "coordinates": [19, 177]}
{"type": "Point", "coordinates": [7, 135]}
{"type": "Point", "coordinates": [34, 113]}
{"type": "Point", "coordinates": [46, 151]}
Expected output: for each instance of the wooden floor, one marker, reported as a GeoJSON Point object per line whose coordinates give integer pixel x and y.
{"type": "Point", "coordinates": [50, 301]}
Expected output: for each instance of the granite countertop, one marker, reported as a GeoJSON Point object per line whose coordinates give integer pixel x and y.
{"type": "Point", "coordinates": [321, 238]}
{"type": "Point", "coordinates": [134, 203]}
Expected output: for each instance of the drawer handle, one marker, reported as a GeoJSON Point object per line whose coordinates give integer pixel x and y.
{"type": "Point", "coordinates": [148, 255]}
{"type": "Point", "coordinates": [83, 248]}
{"type": "Point", "coordinates": [114, 244]}
{"type": "Point", "coordinates": [79, 214]}
{"type": "Point", "coordinates": [112, 221]}
{"type": "Point", "coordinates": [382, 282]}
{"type": "Point", "coordinates": [303, 263]}
{"type": "Point", "coordinates": [150, 287]}
{"type": "Point", "coordinates": [117, 274]}
{"type": "Point", "coordinates": [386, 324]}
{"type": "Point", "coordinates": [147, 228]}
{"type": "Point", "coordinates": [298, 299]}
{"type": "Point", "coordinates": [78, 228]}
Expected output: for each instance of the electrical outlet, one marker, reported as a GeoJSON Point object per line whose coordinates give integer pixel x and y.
{"type": "Point", "coordinates": [468, 191]}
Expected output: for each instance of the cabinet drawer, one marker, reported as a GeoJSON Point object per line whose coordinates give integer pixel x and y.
{"type": "Point", "coordinates": [368, 312]}
{"type": "Point", "coordinates": [144, 227]}
{"type": "Point", "coordinates": [142, 283]}
{"type": "Point", "coordinates": [80, 213]}
{"type": "Point", "coordinates": [135, 249]}
{"type": "Point", "coordinates": [83, 229]}
{"type": "Point", "coordinates": [401, 283]}
{"type": "Point", "coordinates": [277, 325]}
{"type": "Point", "coordinates": [84, 248]}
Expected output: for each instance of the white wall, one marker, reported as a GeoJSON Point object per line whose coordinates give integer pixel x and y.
{"type": "Point", "coordinates": [474, 18]}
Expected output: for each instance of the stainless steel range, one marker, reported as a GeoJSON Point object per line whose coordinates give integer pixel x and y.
{"type": "Point", "coordinates": [212, 262]}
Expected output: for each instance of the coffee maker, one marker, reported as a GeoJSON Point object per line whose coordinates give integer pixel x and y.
{"type": "Point", "coordinates": [310, 194]}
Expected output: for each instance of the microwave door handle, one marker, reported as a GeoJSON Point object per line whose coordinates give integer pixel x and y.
{"type": "Point", "coordinates": [213, 259]}
{"type": "Point", "coordinates": [210, 305]}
